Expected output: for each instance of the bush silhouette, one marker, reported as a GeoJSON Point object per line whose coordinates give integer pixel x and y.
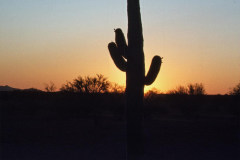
{"type": "Point", "coordinates": [235, 90]}
{"type": "Point", "coordinates": [180, 90]}
{"type": "Point", "coordinates": [68, 87]}
{"type": "Point", "coordinates": [50, 87]}
{"type": "Point", "coordinates": [196, 89]}
{"type": "Point", "coordinates": [97, 84]}
{"type": "Point", "coordinates": [116, 88]}
{"type": "Point", "coordinates": [191, 89]}
{"type": "Point", "coordinates": [152, 93]}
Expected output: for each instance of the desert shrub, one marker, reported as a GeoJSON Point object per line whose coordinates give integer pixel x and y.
{"type": "Point", "coordinates": [96, 84]}
{"type": "Point", "coordinates": [191, 89]}
{"type": "Point", "coordinates": [180, 90]}
{"type": "Point", "coordinates": [116, 88]}
{"type": "Point", "coordinates": [196, 89]}
{"type": "Point", "coordinates": [68, 87]}
{"type": "Point", "coordinates": [50, 87]}
{"type": "Point", "coordinates": [152, 93]}
{"type": "Point", "coordinates": [235, 90]}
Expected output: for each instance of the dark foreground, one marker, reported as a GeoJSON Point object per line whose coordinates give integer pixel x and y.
{"type": "Point", "coordinates": [49, 126]}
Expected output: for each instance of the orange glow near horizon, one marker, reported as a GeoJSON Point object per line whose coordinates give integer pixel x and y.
{"type": "Point", "coordinates": [57, 41]}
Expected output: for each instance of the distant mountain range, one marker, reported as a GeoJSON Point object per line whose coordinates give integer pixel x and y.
{"type": "Point", "coordinates": [8, 88]}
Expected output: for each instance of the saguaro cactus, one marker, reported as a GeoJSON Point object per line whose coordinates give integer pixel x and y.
{"type": "Point", "coordinates": [129, 58]}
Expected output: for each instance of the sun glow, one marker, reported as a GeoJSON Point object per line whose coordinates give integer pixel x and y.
{"type": "Point", "coordinates": [43, 41]}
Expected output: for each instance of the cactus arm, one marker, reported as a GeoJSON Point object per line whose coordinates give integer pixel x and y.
{"type": "Point", "coordinates": [154, 70]}
{"type": "Point", "coordinates": [116, 56]}
{"type": "Point", "coordinates": [121, 42]}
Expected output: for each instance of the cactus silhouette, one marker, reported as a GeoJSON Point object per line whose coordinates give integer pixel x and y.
{"type": "Point", "coordinates": [129, 58]}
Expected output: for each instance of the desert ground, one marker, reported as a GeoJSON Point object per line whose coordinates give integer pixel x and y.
{"type": "Point", "coordinates": [48, 126]}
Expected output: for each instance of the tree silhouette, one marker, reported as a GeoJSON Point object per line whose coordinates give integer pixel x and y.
{"type": "Point", "coordinates": [129, 58]}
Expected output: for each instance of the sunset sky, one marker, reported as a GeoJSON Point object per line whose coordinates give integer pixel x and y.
{"type": "Point", "coordinates": [58, 40]}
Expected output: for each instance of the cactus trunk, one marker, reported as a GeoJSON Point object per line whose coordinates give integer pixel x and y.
{"type": "Point", "coordinates": [130, 59]}
{"type": "Point", "coordinates": [135, 75]}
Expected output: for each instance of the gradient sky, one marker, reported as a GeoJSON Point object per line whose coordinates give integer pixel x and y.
{"type": "Point", "coordinates": [58, 40]}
